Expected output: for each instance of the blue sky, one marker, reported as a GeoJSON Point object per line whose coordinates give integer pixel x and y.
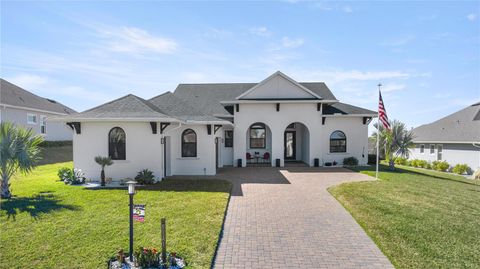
{"type": "Point", "coordinates": [426, 54]}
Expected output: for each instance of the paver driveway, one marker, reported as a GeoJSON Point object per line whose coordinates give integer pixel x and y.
{"type": "Point", "coordinates": [285, 218]}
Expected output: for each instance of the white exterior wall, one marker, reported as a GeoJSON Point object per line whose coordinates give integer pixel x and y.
{"type": "Point", "coordinates": [56, 131]}
{"type": "Point", "coordinates": [204, 163]}
{"type": "Point", "coordinates": [318, 134]}
{"type": "Point", "coordinates": [452, 153]}
{"type": "Point", "coordinates": [143, 150]}
{"type": "Point", "coordinates": [357, 139]}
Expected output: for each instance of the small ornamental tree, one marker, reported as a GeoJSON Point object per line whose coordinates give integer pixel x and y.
{"type": "Point", "coordinates": [19, 151]}
{"type": "Point", "coordinates": [103, 161]}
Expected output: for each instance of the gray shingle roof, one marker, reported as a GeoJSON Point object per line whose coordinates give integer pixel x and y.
{"type": "Point", "coordinates": [129, 106]}
{"type": "Point", "coordinates": [176, 107]}
{"type": "Point", "coordinates": [345, 109]}
{"type": "Point", "coordinates": [13, 95]}
{"type": "Point", "coordinates": [461, 126]}
{"type": "Point", "coordinates": [209, 96]}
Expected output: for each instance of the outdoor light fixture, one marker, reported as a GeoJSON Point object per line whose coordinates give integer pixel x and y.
{"type": "Point", "coordinates": [131, 192]}
{"type": "Point", "coordinates": [131, 186]}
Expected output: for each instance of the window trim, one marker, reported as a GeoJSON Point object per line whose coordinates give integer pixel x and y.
{"type": "Point", "coordinates": [125, 144]}
{"type": "Point", "coordinates": [186, 143]}
{"type": "Point", "coordinates": [439, 152]}
{"type": "Point", "coordinates": [264, 128]}
{"type": "Point", "coordinates": [42, 119]}
{"type": "Point", "coordinates": [422, 149]}
{"type": "Point", "coordinates": [32, 122]}
{"type": "Point", "coordinates": [330, 142]}
{"type": "Point", "coordinates": [231, 138]}
{"type": "Point", "coordinates": [432, 146]}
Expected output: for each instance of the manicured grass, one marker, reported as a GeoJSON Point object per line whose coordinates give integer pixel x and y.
{"type": "Point", "coordinates": [418, 218]}
{"type": "Point", "coordinates": [52, 225]}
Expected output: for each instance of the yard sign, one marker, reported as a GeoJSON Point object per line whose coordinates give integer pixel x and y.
{"type": "Point", "coordinates": [139, 212]}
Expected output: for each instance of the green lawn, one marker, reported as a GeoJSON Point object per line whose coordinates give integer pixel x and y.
{"type": "Point", "coordinates": [418, 218]}
{"type": "Point", "coordinates": [52, 225]}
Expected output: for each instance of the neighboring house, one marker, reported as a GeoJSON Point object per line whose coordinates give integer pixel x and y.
{"type": "Point", "coordinates": [454, 138]}
{"type": "Point", "coordinates": [201, 127]}
{"type": "Point", "coordinates": [32, 111]}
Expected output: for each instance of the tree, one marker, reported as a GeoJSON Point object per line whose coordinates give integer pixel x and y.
{"type": "Point", "coordinates": [19, 151]}
{"type": "Point", "coordinates": [394, 143]}
{"type": "Point", "coordinates": [103, 161]}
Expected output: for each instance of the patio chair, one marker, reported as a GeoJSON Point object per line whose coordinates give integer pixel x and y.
{"type": "Point", "coordinates": [249, 157]}
{"type": "Point", "coordinates": [266, 157]}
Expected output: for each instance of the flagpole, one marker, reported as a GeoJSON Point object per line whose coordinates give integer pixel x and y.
{"type": "Point", "coordinates": [378, 133]}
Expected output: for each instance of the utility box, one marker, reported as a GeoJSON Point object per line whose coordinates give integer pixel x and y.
{"type": "Point", "coordinates": [316, 162]}
{"type": "Point", "coordinates": [239, 163]}
{"type": "Point", "coordinates": [277, 162]}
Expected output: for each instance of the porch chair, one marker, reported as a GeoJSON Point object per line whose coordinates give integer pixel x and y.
{"type": "Point", "coordinates": [266, 157]}
{"type": "Point", "coordinates": [249, 157]}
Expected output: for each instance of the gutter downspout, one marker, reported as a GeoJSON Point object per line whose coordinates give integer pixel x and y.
{"type": "Point", "coordinates": [477, 145]}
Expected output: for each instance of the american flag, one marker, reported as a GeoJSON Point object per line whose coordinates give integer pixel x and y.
{"type": "Point", "coordinates": [382, 113]}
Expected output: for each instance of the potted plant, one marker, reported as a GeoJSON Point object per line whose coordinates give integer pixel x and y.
{"type": "Point", "coordinates": [103, 161]}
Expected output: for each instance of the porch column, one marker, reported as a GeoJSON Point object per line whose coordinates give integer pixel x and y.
{"type": "Point", "coordinates": [277, 145]}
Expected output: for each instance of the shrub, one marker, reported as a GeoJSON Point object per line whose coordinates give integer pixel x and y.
{"type": "Point", "coordinates": [461, 169]}
{"type": "Point", "coordinates": [64, 172]}
{"type": "Point", "coordinates": [440, 166]}
{"type": "Point", "coordinates": [428, 166]}
{"type": "Point", "coordinates": [71, 176]}
{"type": "Point", "coordinates": [422, 164]}
{"type": "Point", "coordinates": [145, 177]}
{"type": "Point", "coordinates": [350, 161]}
{"type": "Point", "coordinates": [52, 144]}
{"type": "Point", "coordinates": [401, 161]}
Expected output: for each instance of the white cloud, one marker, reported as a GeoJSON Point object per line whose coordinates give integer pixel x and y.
{"type": "Point", "coordinates": [392, 87]}
{"type": "Point", "coordinates": [28, 81]}
{"type": "Point", "coordinates": [347, 9]}
{"type": "Point", "coordinates": [472, 17]}
{"type": "Point", "coordinates": [291, 43]}
{"type": "Point", "coordinates": [136, 40]}
{"type": "Point", "coordinates": [352, 75]}
{"type": "Point", "coordinates": [399, 41]}
{"type": "Point", "coordinates": [260, 31]}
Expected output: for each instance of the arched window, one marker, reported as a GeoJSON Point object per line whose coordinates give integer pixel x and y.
{"type": "Point", "coordinates": [338, 142]}
{"type": "Point", "coordinates": [257, 136]}
{"type": "Point", "coordinates": [116, 144]}
{"type": "Point", "coordinates": [189, 143]}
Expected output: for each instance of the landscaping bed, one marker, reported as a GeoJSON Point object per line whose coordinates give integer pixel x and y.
{"type": "Point", "coordinates": [49, 224]}
{"type": "Point", "coordinates": [418, 218]}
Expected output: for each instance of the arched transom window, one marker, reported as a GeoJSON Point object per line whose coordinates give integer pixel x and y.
{"type": "Point", "coordinates": [116, 144]}
{"type": "Point", "coordinates": [338, 142]}
{"type": "Point", "coordinates": [189, 143]}
{"type": "Point", "coordinates": [257, 136]}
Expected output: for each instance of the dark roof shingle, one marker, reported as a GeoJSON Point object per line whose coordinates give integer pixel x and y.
{"type": "Point", "coordinates": [11, 94]}
{"type": "Point", "coordinates": [461, 126]}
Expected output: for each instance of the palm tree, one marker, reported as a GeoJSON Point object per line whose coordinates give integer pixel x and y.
{"type": "Point", "coordinates": [19, 151]}
{"type": "Point", "coordinates": [103, 161]}
{"type": "Point", "coordinates": [396, 142]}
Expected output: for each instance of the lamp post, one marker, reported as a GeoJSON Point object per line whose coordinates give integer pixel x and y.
{"type": "Point", "coordinates": [131, 192]}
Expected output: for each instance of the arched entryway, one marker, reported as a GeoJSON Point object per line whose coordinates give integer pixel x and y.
{"type": "Point", "coordinates": [259, 144]}
{"type": "Point", "coordinates": [296, 144]}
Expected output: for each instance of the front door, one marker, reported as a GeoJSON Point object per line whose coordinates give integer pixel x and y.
{"type": "Point", "coordinates": [289, 145]}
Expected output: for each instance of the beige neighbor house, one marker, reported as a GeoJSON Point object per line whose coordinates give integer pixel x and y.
{"type": "Point", "coordinates": [454, 138]}
{"type": "Point", "coordinates": [32, 111]}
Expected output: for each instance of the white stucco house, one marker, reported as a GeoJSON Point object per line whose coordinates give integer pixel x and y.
{"type": "Point", "coordinates": [201, 127]}
{"type": "Point", "coordinates": [454, 138]}
{"type": "Point", "coordinates": [31, 111]}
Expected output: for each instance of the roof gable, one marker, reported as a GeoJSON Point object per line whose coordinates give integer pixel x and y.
{"type": "Point", "coordinates": [278, 86]}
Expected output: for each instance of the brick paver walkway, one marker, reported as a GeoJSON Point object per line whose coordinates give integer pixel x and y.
{"type": "Point", "coordinates": [285, 218]}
